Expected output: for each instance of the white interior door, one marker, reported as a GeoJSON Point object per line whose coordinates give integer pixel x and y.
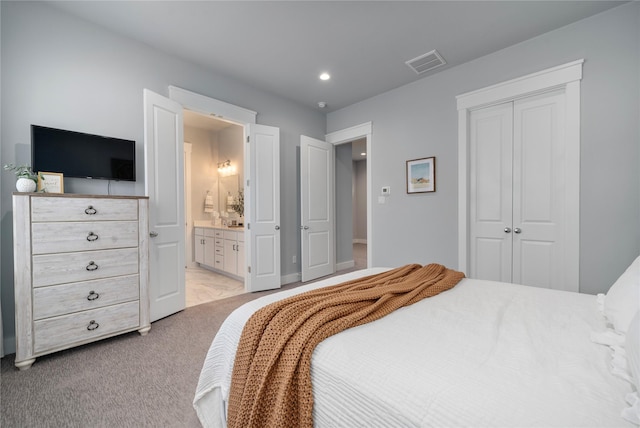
{"type": "Point", "coordinates": [317, 160]}
{"type": "Point", "coordinates": [539, 218]}
{"type": "Point", "coordinates": [518, 193]}
{"type": "Point", "coordinates": [490, 194]}
{"type": "Point", "coordinates": [164, 182]}
{"type": "Point", "coordinates": [262, 202]}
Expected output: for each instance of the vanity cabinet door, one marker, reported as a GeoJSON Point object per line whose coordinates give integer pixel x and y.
{"type": "Point", "coordinates": [230, 258]}
{"type": "Point", "coordinates": [199, 245]}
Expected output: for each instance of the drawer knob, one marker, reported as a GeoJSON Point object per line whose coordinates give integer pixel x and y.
{"type": "Point", "coordinates": [90, 210]}
{"type": "Point", "coordinates": [92, 237]}
{"type": "Point", "coordinates": [92, 266]}
{"type": "Point", "coordinates": [92, 295]}
{"type": "Point", "coordinates": [92, 325]}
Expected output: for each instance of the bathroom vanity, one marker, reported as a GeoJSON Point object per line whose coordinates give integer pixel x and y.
{"type": "Point", "coordinates": [221, 249]}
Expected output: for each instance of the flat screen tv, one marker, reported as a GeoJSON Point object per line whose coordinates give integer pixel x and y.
{"type": "Point", "coordinates": [76, 154]}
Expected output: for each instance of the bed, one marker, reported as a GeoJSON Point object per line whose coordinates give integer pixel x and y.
{"type": "Point", "coordinates": [483, 353]}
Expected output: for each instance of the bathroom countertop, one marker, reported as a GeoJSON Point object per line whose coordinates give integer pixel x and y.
{"type": "Point", "coordinates": [207, 224]}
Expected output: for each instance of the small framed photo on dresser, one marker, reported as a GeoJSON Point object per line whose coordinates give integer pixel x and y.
{"type": "Point", "coordinates": [50, 182]}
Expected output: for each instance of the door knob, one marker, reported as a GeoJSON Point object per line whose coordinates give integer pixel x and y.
{"type": "Point", "coordinates": [304, 227]}
{"type": "Point", "coordinates": [277, 227]}
{"type": "Point", "coordinates": [507, 230]}
{"type": "Point", "coordinates": [517, 230]}
{"type": "Point", "coordinates": [153, 234]}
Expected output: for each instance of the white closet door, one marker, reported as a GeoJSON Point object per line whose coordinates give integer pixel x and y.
{"type": "Point", "coordinates": [490, 194]}
{"type": "Point", "coordinates": [539, 219]}
{"type": "Point", "coordinates": [518, 193]}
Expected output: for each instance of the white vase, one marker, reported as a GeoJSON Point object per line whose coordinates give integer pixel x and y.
{"type": "Point", "coordinates": [25, 185]}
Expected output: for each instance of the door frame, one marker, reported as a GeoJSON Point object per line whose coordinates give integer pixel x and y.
{"type": "Point", "coordinates": [566, 77]}
{"type": "Point", "coordinates": [220, 110]}
{"type": "Point", "coordinates": [188, 220]}
{"type": "Point", "coordinates": [347, 135]}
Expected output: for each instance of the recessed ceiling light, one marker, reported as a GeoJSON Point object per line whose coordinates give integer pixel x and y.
{"type": "Point", "coordinates": [325, 76]}
{"type": "Point", "coordinates": [322, 104]}
{"type": "Point", "coordinates": [363, 154]}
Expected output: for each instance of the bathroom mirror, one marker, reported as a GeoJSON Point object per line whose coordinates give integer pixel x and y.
{"type": "Point", "coordinates": [227, 186]}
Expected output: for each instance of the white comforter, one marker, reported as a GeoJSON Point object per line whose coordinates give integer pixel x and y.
{"type": "Point", "coordinates": [481, 354]}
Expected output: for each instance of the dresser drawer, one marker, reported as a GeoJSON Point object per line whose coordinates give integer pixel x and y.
{"type": "Point", "coordinates": [62, 237]}
{"type": "Point", "coordinates": [64, 299]}
{"type": "Point", "coordinates": [83, 209]}
{"type": "Point", "coordinates": [50, 269]}
{"type": "Point", "coordinates": [60, 332]}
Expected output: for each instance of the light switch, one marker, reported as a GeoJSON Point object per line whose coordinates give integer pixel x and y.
{"type": "Point", "coordinates": [382, 200]}
{"type": "Point", "coordinates": [386, 190]}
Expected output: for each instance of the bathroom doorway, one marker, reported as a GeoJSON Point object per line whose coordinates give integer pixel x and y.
{"type": "Point", "coordinates": [214, 165]}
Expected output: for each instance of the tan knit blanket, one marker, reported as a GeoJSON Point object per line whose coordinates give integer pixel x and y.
{"type": "Point", "coordinates": [271, 381]}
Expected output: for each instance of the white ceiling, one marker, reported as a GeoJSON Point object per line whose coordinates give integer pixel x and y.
{"type": "Point", "coordinates": [281, 47]}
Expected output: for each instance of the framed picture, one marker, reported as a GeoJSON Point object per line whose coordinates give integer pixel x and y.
{"type": "Point", "coordinates": [50, 182]}
{"type": "Point", "coordinates": [421, 175]}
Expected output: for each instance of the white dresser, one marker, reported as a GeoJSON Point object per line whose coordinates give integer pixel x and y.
{"type": "Point", "coordinates": [80, 270]}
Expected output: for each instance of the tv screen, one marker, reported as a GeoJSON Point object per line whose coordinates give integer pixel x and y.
{"type": "Point", "coordinates": [75, 154]}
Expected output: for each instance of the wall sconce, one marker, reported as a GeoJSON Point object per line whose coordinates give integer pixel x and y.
{"type": "Point", "coordinates": [225, 168]}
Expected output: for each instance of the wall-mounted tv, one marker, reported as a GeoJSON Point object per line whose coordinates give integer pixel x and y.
{"type": "Point", "coordinates": [76, 154]}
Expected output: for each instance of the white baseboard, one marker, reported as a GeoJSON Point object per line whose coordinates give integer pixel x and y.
{"type": "Point", "coordinates": [359, 241]}
{"type": "Point", "coordinates": [288, 279]}
{"type": "Point", "coordinates": [345, 265]}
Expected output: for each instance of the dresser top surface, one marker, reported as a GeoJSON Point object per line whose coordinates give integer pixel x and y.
{"type": "Point", "coordinates": [77, 195]}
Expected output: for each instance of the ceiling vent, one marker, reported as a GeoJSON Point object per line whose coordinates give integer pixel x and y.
{"type": "Point", "coordinates": [426, 62]}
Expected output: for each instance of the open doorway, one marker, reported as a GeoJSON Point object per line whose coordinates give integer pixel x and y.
{"type": "Point", "coordinates": [359, 202]}
{"type": "Point", "coordinates": [351, 205]}
{"type": "Point", "coordinates": [214, 169]}
{"type": "Point", "coordinates": [362, 134]}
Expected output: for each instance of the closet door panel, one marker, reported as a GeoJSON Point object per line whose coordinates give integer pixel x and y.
{"type": "Point", "coordinates": [539, 189]}
{"type": "Point", "coordinates": [491, 192]}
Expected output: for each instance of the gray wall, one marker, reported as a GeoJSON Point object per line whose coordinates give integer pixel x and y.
{"type": "Point", "coordinates": [67, 73]}
{"type": "Point", "coordinates": [420, 120]}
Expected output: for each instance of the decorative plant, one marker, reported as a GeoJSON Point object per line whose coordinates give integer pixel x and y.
{"type": "Point", "coordinates": [22, 171]}
{"type": "Point", "coordinates": [238, 205]}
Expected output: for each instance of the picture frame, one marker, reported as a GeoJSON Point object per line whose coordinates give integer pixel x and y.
{"type": "Point", "coordinates": [50, 182]}
{"type": "Point", "coordinates": [421, 175]}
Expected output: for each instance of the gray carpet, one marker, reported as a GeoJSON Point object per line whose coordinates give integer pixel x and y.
{"type": "Point", "coordinates": [125, 381]}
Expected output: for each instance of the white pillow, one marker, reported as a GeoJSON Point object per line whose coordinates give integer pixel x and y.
{"type": "Point", "coordinates": [623, 298]}
{"type": "Point", "coordinates": [632, 347]}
